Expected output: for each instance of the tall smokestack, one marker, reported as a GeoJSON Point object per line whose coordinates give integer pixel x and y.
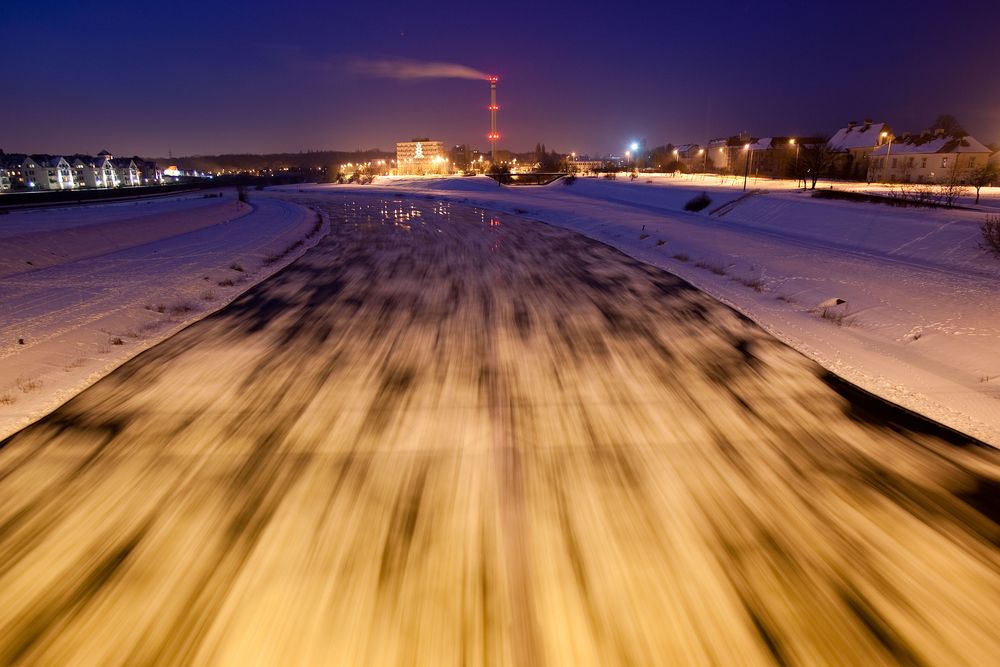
{"type": "Point", "coordinates": [494, 135]}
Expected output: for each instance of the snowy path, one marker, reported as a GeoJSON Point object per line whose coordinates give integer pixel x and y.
{"type": "Point", "coordinates": [444, 437]}
{"type": "Point", "coordinates": [921, 325]}
{"type": "Point", "coordinates": [80, 318]}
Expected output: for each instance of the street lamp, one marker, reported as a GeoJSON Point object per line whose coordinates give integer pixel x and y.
{"type": "Point", "coordinates": [704, 160]}
{"type": "Point", "coordinates": [888, 149]}
{"type": "Point", "coordinates": [796, 144]}
{"type": "Point", "coordinates": [746, 172]}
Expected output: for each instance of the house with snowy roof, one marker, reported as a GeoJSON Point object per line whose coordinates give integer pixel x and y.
{"type": "Point", "coordinates": [692, 156]}
{"type": "Point", "coordinates": [48, 172]}
{"type": "Point", "coordinates": [774, 157]}
{"type": "Point", "coordinates": [149, 172]}
{"type": "Point", "coordinates": [93, 172]}
{"type": "Point", "coordinates": [10, 170]}
{"type": "Point", "coordinates": [854, 145]}
{"type": "Point", "coordinates": [127, 171]}
{"type": "Point", "coordinates": [930, 157]}
{"type": "Point", "coordinates": [724, 152]}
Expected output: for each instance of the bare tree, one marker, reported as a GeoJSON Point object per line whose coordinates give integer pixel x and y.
{"type": "Point", "coordinates": [991, 234]}
{"type": "Point", "coordinates": [982, 177]}
{"type": "Point", "coordinates": [816, 162]}
{"type": "Point", "coordinates": [366, 174]}
{"type": "Point", "coordinates": [949, 124]}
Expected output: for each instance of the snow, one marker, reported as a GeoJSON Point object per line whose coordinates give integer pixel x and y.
{"type": "Point", "coordinates": [857, 136]}
{"type": "Point", "coordinates": [941, 144]}
{"type": "Point", "coordinates": [920, 325]}
{"type": "Point", "coordinates": [108, 281]}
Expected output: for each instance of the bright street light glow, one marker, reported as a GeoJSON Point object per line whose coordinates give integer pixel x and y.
{"type": "Point", "coordinates": [634, 146]}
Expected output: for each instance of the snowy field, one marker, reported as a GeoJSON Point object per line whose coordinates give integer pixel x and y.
{"type": "Point", "coordinates": [920, 320]}
{"type": "Point", "coordinates": [85, 288]}
{"type": "Point", "coordinates": [989, 197]}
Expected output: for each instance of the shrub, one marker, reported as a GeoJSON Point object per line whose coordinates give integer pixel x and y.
{"type": "Point", "coordinates": [717, 269]}
{"type": "Point", "coordinates": [991, 234]}
{"type": "Point", "coordinates": [698, 203]}
{"type": "Point", "coordinates": [116, 340]}
{"type": "Point", "coordinates": [838, 317]}
{"type": "Point", "coordinates": [569, 180]}
{"type": "Point", "coordinates": [181, 308]}
{"type": "Point", "coordinates": [28, 385]}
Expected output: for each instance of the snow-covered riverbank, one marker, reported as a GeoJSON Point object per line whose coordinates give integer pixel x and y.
{"type": "Point", "coordinates": [85, 288]}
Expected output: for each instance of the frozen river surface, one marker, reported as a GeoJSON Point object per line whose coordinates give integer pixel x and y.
{"type": "Point", "coordinates": [445, 437]}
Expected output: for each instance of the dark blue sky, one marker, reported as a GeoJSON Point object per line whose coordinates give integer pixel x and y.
{"type": "Point", "coordinates": [210, 77]}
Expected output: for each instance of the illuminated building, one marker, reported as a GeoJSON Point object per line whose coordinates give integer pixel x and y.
{"type": "Point", "coordinates": [422, 156]}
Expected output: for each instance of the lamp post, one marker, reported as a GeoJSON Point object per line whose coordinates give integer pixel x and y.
{"type": "Point", "coordinates": [677, 158]}
{"type": "Point", "coordinates": [704, 160]}
{"type": "Point", "coordinates": [888, 149]}
{"type": "Point", "coordinates": [796, 144]}
{"type": "Point", "coordinates": [746, 171]}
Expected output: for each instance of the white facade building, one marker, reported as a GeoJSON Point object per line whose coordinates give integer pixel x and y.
{"type": "Point", "coordinates": [96, 172]}
{"type": "Point", "coordinates": [10, 170]}
{"type": "Point", "coordinates": [584, 166]}
{"type": "Point", "coordinates": [927, 158]}
{"type": "Point", "coordinates": [127, 171]}
{"type": "Point", "coordinates": [48, 173]}
{"type": "Point", "coordinates": [56, 172]}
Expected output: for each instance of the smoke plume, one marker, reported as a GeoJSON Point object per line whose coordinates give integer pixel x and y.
{"type": "Point", "coordinates": [414, 69]}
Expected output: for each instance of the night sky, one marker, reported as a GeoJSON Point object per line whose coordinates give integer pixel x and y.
{"type": "Point", "coordinates": [208, 77]}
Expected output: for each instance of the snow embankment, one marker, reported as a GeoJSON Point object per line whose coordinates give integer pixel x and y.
{"type": "Point", "coordinates": [85, 288]}
{"type": "Point", "coordinates": [900, 301]}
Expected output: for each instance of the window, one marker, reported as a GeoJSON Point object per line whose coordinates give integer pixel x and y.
{"type": "Point", "coordinates": [894, 161]}
{"type": "Point", "coordinates": [972, 161]}
{"type": "Point", "coordinates": [944, 163]}
{"type": "Point", "coordinates": [923, 163]}
{"type": "Point", "coordinates": [909, 163]}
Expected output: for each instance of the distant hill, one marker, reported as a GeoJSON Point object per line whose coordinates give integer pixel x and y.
{"type": "Point", "coordinates": [273, 161]}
